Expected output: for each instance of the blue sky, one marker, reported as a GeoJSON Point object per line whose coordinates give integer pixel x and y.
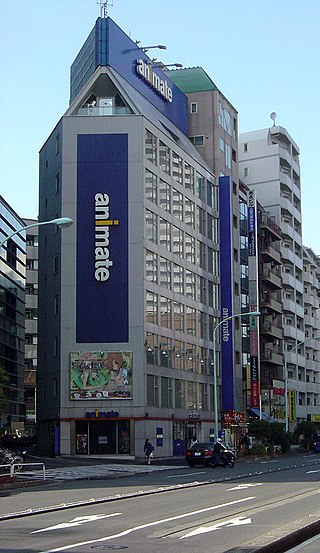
{"type": "Point", "coordinates": [263, 56]}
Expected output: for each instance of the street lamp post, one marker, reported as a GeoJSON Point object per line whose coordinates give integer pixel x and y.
{"type": "Point", "coordinates": [215, 388]}
{"type": "Point", "coordinates": [286, 376]}
{"type": "Point", "coordinates": [62, 222]}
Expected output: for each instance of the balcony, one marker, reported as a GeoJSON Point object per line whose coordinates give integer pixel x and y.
{"type": "Point", "coordinates": [99, 111]}
{"type": "Point", "coordinates": [271, 356]}
{"type": "Point", "coordinates": [271, 278]}
{"type": "Point", "coordinates": [270, 329]}
{"type": "Point", "coordinates": [272, 302]}
{"type": "Point", "coordinates": [271, 251]}
{"type": "Point", "coordinates": [267, 222]}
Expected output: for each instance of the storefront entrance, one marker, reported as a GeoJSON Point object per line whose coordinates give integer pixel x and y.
{"type": "Point", "coordinates": [103, 437]}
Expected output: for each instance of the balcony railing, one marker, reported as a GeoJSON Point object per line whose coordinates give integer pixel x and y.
{"type": "Point", "coordinates": [104, 111]}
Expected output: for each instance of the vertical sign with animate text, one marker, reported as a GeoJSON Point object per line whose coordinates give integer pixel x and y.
{"type": "Point", "coordinates": [253, 300]}
{"type": "Point", "coordinates": [102, 238]}
{"type": "Point", "coordinates": [226, 287]}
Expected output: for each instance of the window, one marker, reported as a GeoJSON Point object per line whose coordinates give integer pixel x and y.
{"type": "Point", "coordinates": [151, 307]}
{"type": "Point", "coordinates": [221, 144]}
{"type": "Point", "coordinates": [194, 107]}
{"type": "Point", "coordinates": [151, 266]}
{"type": "Point", "coordinates": [56, 305]}
{"type": "Point", "coordinates": [166, 392]}
{"type": "Point", "coordinates": [190, 320]}
{"type": "Point", "coordinates": [178, 280]}
{"type": "Point", "coordinates": [190, 248]}
{"type": "Point", "coordinates": [165, 196]}
{"type": "Point", "coordinates": [11, 253]}
{"type": "Point", "coordinates": [177, 204]}
{"type": "Point", "coordinates": [177, 358]}
{"type": "Point", "coordinates": [151, 345]}
{"type": "Point", "coordinates": [152, 390]}
{"type": "Point", "coordinates": [57, 184]}
{"type": "Point", "coordinates": [151, 226]}
{"type": "Point", "coordinates": [151, 186]}
{"type": "Point", "coordinates": [197, 140]}
{"type": "Point", "coordinates": [165, 234]}
{"type": "Point", "coordinates": [57, 144]}
{"type": "Point", "coordinates": [178, 316]}
{"type": "Point", "coordinates": [165, 312]}
{"type": "Point", "coordinates": [164, 157]}
{"type": "Point", "coordinates": [189, 177]}
{"type": "Point", "coordinates": [177, 166]}
{"type": "Point", "coordinates": [245, 147]}
{"type": "Point", "coordinates": [55, 346]}
{"type": "Point", "coordinates": [189, 212]}
{"type": "Point", "coordinates": [190, 285]}
{"type": "Point", "coordinates": [177, 241]}
{"type": "Point", "coordinates": [179, 394]}
{"type": "Point", "coordinates": [191, 395]}
{"type": "Point", "coordinates": [151, 147]}
{"type": "Point", "coordinates": [165, 273]}
{"type": "Point", "coordinates": [245, 171]}
{"type": "Point", "coordinates": [228, 155]}
{"type": "Point", "coordinates": [55, 263]}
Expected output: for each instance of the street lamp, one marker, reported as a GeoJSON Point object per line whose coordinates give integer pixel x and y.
{"type": "Point", "coordinates": [286, 376]}
{"type": "Point", "coordinates": [62, 222]}
{"type": "Point", "coordinates": [215, 390]}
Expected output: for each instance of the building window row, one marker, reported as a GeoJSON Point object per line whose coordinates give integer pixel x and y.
{"type": "Point", "coordinates": [176, 278]}
{"type": "Point", "coordinates": [161, 155]}
{"type": "Point", "coordinates": [172, 393]}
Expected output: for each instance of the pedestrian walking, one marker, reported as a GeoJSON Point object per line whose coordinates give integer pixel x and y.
{"type": "Point", "coordinates": [148, 450]}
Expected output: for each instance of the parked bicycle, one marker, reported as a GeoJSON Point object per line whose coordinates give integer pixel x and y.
{"type": "Point", "coordinates": [8, 457]}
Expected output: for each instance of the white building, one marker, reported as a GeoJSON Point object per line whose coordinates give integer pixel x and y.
{"type": "Point", "coordinates": [269, 164]}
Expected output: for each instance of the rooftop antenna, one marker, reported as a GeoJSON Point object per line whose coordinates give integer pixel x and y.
{"type": "Point", "coordinates": [273, 116]}
{"type": "Point", "coordinates": [104, 6]}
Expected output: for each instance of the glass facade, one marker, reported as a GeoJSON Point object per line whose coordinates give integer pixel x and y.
{"type": "Point", "coordinates": [181, 264]}
{"type": "Point", "coordinates": [12, 320]}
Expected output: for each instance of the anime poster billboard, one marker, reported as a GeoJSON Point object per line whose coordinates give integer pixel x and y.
{"type": "Point", "coordinates": [101, 375]}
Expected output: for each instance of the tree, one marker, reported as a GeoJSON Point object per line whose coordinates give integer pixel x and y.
{"type": "Point", "coordinates": [308, 431]}
{"type": "Point", "coordinates": [260, 429]}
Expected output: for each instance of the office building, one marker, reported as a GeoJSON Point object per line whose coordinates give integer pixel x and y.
{"type": "Point", "coordinates": [213, 129]}
{"type": "Point", "coordinates": [128, 296]}
{"type": "Point", "coordinates": [31, 325]}
{"type": "Point", "coordinates": [12, 318]}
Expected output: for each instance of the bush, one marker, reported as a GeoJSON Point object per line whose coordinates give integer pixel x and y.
{"type": "Point", "coordinates": [260, 429]}
{"type": "Point", "coordinates": [257, 449]}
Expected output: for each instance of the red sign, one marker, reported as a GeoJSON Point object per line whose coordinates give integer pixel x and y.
{"type": "Point", "coordinates": [255, 394]}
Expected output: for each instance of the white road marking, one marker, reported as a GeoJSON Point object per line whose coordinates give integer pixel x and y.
{"type": "Point", "coordinates": [267, 462]}
{"type": "Point", "coordinates": [311, 471]}
{"type": "Point", "coordinates": [204, 529]}
{"type": "Point", "coordinates": [76, 522]}
{"type": "Point", "coordinates": [188, 474]}
{"type": "Point", "coordinates": [243, 487]}
{"type": "Point", "coordinates": [148, 525]}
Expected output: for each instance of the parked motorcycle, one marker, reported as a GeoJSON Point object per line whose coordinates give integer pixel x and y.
{"type": "Point", "coordinates": [225, 458]}
{"type": "Point", "coordinates": [8, 457]}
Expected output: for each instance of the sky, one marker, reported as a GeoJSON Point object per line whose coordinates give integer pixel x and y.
{"type": "Point", "coordinates": [262, 55]}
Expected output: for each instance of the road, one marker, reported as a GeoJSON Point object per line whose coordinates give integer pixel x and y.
{"type": "Point", "coordinates": [180, 510]}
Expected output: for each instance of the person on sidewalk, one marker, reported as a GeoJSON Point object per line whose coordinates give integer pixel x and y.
{"type": "Point", "coordinates": [148, 450]}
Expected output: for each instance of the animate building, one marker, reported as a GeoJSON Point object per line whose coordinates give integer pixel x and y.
{"type": "Point", "coordinates": [128, 295]}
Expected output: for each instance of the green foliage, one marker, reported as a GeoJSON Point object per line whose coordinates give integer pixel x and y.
{"type": "Point", "coordinates": [257, 449]}
{"type": "Point", "coordinates": [260, 429]}
{"type": "Point", "coordinates": [307, 429]}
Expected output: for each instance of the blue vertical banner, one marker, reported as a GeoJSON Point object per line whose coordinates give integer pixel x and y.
{"type": "Point", "coordinates": [226, 290]}
{"type": "Point", "coordinates": [102, 238]}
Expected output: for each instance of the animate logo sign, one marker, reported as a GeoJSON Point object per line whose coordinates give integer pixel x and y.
{"type": "Point", "coordinates": [102, 237]}
{"type": "Point", "coordinates": [145, 70]}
